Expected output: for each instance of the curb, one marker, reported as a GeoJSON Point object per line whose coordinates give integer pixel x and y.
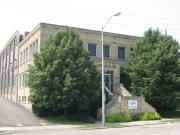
{"type": "Point", "coordinates": [6, 130]}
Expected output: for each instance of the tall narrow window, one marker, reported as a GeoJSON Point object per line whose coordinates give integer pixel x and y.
{"type": "Point", "coordinates": [21, 57]}
{"type": "Point", "coordinates": [20, 81]}
{"type": "Point", "coordinates": [106, 51]}
{"type": "Point", "coordinates": [26, 53]}
{"type": "Point", "coordinates": [92, 49]}
{"type": "Point", "coordinates": [30, 51]}
{"type": "Point", "coordinates": [34, 48]}
{"type": "Point", "coordinates": [121, 53]}
{"type": "Point", "coordinates": [23, 81]}
{"type": "Point", "coordinates": [36, 44]}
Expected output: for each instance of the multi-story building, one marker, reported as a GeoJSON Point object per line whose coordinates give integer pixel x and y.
{"type": "Point", "coordinates": [117, 48]}
{"type": "Point", "coordinates": [8, 67]}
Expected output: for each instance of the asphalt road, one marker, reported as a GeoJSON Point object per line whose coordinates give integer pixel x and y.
{"type": "Point", "coordinates": [161, 129]}
{"type": "Point", "coordinates": [12, 115]}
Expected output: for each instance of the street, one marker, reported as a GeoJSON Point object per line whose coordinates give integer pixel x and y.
{"type": "Point", "coordinates": [161, 129]}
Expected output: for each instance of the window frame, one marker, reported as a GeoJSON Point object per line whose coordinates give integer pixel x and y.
{"type": "Point", "coordinates": [119, 54]}
{"type": "Point", "coordinates": [93, 54]}
{"type": "Point", "coordinates": [108, 46]}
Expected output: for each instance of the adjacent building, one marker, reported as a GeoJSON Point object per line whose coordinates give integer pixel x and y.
{"type": "Point", "coordinates": [9, 66]}
{"type": "Point", "coordinates": [17, 57]}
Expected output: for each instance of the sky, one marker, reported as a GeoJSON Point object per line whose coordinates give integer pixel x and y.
{"type": "Point", "coordinates": [136, 15]}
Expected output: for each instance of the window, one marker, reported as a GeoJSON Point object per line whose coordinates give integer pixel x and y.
{"type": "Point", "coordinates": [23, 99]}
{"type": "Point", "coordinates": [30, 51]}
{"type": "Point", "coordinates": [106, 51]}
{"type": "Point", "coordinates": [23, 81]}
{"type": "Point", "coordinates": [12, 55]}
{"type": "Point", "coordinates": [20, 81]}
{"type": "Point", "coordinates": [34, 48]}
{"type": "Point", "coordinates": [26, 53]}
{"type": "Point", "coordinates": [19, 99]}
{"type": "Point", "coordinates": [36, 44]}
{"type": "Point", "coordinates": [121, 53]}
{"type": "Point", "coordinates": [92, 49]}
{"type": "Point", "coordinates": [21, 56]}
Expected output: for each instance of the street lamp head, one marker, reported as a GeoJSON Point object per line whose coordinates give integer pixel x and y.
{"type": "Point", "coordinates": [117, 14]}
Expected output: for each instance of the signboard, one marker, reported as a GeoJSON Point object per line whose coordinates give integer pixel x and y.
{"type": "Point", "coordinates": [132, 104]}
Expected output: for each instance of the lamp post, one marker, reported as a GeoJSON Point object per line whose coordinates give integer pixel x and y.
{"type": "Point", "coordinates": [102, 59]}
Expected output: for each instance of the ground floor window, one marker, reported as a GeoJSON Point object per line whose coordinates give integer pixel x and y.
{"type": "Point", "coordinates": [24, 99]}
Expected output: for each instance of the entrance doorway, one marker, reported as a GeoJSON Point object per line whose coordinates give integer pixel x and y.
{"type": "Point", "coordinates": [108, 79]}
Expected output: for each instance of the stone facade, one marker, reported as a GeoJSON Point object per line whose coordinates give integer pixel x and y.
{"type": "Point", "coordinates": [43, 31]}
{"type": "Point", "coordinates": [125, 102]}
{"type": "Point", "coordinates": [120, 105]}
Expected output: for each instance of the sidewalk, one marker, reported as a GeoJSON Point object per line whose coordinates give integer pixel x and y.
{"type": "Point", "coordinates": [143, 123]}
{"type": "Point", "coordinates": [6, 130]}
{"type": "Point", "coordinates": [98, 125]}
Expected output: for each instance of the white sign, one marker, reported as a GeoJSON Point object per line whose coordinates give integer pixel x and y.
{"type": "Point", "coordinates": [132, 104]}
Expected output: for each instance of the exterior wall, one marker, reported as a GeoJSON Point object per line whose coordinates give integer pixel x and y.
{"type": "Point", "coordinates": [121, 106]}
{"type": "Point", "coordinates": [43, 31]}
{"type": "Point", "coordinates": [8, 68]}
{"type": "Point", "coordinates": [27, 48]}
{"type": "Point", "coordinates": [90, 36]}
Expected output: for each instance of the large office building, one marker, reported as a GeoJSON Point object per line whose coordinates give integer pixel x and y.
{"type": "Point", "coordinates": [117, 48]}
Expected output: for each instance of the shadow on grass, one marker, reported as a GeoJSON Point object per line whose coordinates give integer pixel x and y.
{"type": "Point", "coordinates": [70, 120]}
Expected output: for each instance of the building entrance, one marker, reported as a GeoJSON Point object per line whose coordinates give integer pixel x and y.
{"type": "Point", "coordinates": [108, 79]}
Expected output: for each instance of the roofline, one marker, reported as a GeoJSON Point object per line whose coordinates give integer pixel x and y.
{"type": "Point", "coordinates": [9, 41]}
{"type": "Point", "coordinates": [41, 23]}
{"type": "Point", "coordinates": [30, 33]}
{"type": "Point", "coordinates": [118, 34]}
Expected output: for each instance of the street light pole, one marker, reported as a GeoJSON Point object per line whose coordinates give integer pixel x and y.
{"type": "Point", "coordinates": [102, 59]}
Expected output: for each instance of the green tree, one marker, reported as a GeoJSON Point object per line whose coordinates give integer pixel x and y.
{"type": "Point", "coordinates": [63, 78]}
{"type": "Point", "coordinates": [125, 78]}
{"type": "Point", "coordinates": [154, 69]}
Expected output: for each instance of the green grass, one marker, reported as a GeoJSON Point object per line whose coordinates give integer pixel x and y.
{"type": "Point", "coordinates": [70, 120]}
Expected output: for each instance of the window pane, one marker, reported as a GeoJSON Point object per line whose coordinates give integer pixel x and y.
{"type": "Point", "coordinates": [106, 51]}
{"type": "Point", "coordinates": [121, 53]}
{"type": "Point", "coordinates": [92, 49]}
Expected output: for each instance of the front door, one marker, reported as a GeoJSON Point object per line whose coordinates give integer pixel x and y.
{"type": "Point", "coordinates": [108, 79]}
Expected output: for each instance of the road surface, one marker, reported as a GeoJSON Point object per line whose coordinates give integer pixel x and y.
{"type": "Point", "coordinates": [161, 129]}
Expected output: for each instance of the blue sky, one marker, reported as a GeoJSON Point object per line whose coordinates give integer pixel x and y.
{"type": "Point", "coordinates": [137, 15]}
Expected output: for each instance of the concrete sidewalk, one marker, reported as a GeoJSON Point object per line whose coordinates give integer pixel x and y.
{"type": "Point", "coordinates": [142, 123]}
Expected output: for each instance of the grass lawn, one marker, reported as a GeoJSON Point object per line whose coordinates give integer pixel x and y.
{"type": "Point", "coordinates": [70, 120]}
{"type": "Point", "coordinates": [83, 122]}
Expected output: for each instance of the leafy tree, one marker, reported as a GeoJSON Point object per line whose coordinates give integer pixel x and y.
{"type": "Point", "coordinates": [63, 77]}
{"type": "Point", "coordinates": [155, 70]}
{"type": "Point", "coordinates": [125, 78]}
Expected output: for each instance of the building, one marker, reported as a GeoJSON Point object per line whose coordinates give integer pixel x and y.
{"type": "Point", "coordinates": [9, 66]}
{"type": "Point", "coordinates": [117, 48]}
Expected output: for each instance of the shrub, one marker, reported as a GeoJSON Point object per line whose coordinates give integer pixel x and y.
{"type": "Point", "coordinates": [118, 118]}
{"type": "Point", "coordinates": [149, 116]}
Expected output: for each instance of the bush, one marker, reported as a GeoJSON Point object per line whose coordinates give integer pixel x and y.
{"type": "Point", "coordinates": [118, 118]}
{"type": "Point", "coordinates": [149, 116]}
